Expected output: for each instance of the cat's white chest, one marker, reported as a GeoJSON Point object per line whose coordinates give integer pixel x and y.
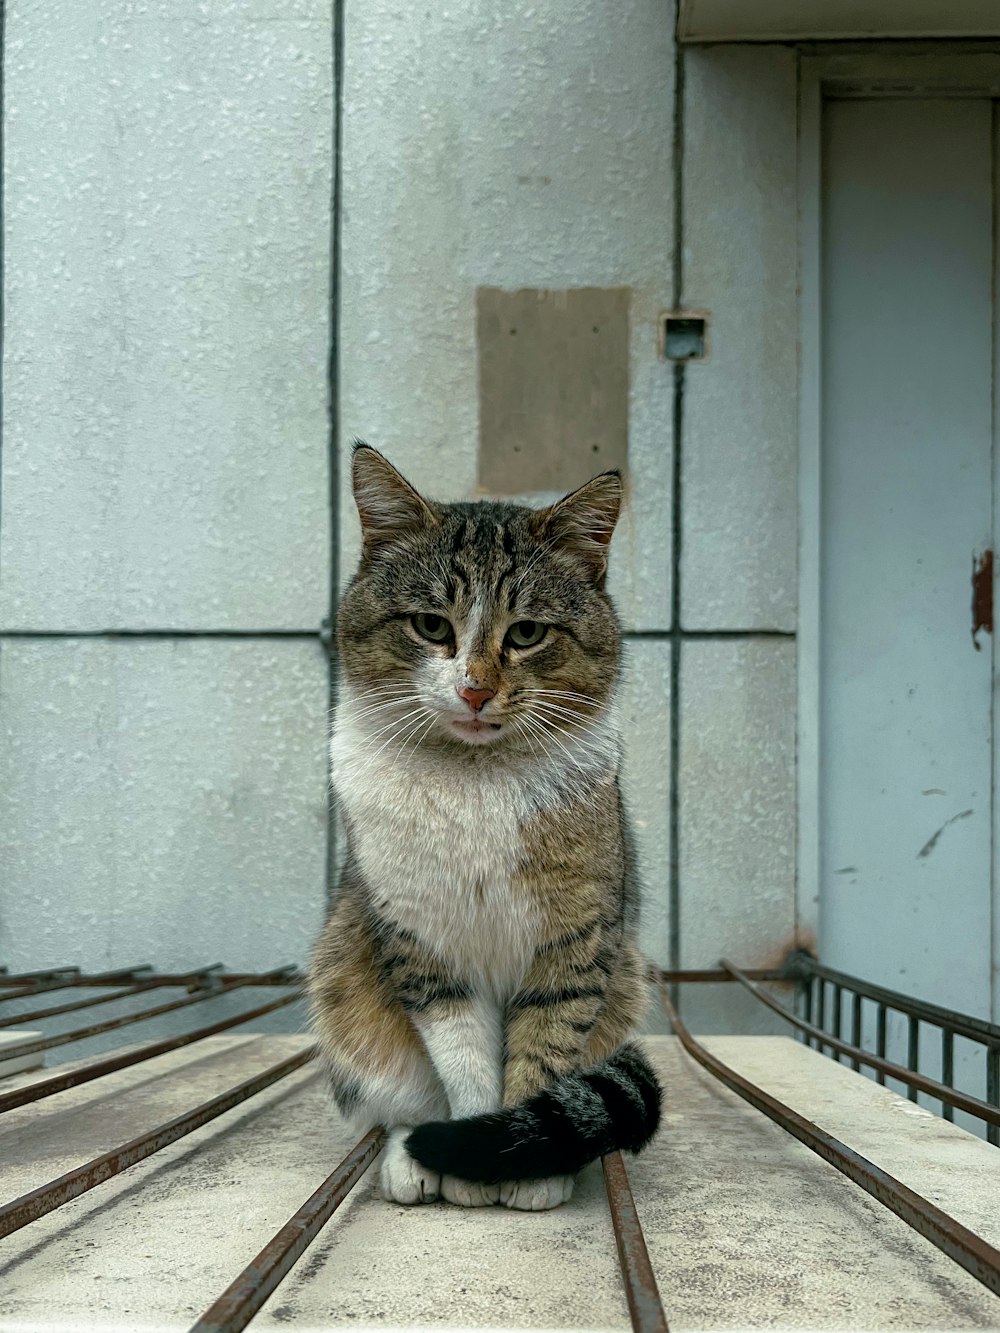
{"type": "Point", "coordinates": [438, 844]}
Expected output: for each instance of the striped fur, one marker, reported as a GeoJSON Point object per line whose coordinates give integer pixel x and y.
{"type": "Point", "coordinates": [580, 1117]}
{"type": "Point", "coordinates": [482, 949]}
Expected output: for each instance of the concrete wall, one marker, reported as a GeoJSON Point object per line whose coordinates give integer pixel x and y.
{"type": "Point", "coordinates": [167, 181]}
{"type": "Point", "coordinates": [167, 243]}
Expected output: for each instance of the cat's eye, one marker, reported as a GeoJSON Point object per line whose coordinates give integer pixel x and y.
{"type": "Point", "coordinates": [429, 626]}
{"type": "Point", "coordinates": [526, 633]}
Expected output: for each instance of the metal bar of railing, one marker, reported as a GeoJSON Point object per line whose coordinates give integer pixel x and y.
{"type": "Point", "coordinates": [46, 1198]}
{"type": "Point", "coordinates": [126, 1020]}
{"type": "Point", "coordinates": [960, 1100]}
{"type": "Point", "coordinates": [710, 975]}
{"type": "Point", "coordinates": [963, 1025]}
{"type": "Point", "coordinates": [973, 1253]}
{"type": "Point", "coordinates": [43, 974]}
{"type": "Point", "coordinates": [838, 996]}
{"type": "Point", "coordinates": [912, 1052]}
{"type": "Point", "coordinates": [290, 976]}
{"type": "Point", "coordinates": [244, 1297]}
{"type": "Point", "coordinates": [880, 1037]}
{"type": "Point", "coordinates": [53, 1009]}
{"type": "Point", "coordinates": [124, 976]}
{"type": "Point", "coordinates": [69, 978]}
{"type": "Point", "coordinates": [856, 1001]}
{"type": "Point", "coordinates": [947, 1069]}
{"type": "Point", "coordinates": [49, 1087]}
{"type": "Point", "coordinates": [641, 1292]}
{"type": "Point", "coordinates": [993, 1088]}
{"type": "Point", "coordinates": [821, 1012]}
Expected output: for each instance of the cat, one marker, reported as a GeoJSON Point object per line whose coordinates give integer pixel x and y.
{"type": "Point", "coordinates": [477, 982]}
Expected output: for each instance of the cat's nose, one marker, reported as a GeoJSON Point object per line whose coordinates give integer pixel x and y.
{"type": "Point", "coordinates": [475, 698]}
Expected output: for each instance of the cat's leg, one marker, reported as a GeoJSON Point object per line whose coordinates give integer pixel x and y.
{"type": "Point", "coordinates": [401, 1178]}
{"type": "Point", "coordinates": [570, 1013]}
{"type": "Point", "coordinates": [379, 1068]}
{"type": "Point", "coordinates": [461, 1030]}
{"type": "Point", "coordinates": [548, 1024]}
{"type": "Point", "coordinates": [627, 998]}
{"type": "Point", "coordinates": [464, 1038]}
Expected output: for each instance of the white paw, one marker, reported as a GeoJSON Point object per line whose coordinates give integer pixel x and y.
{"type": "Point", "coordinates": [535, 1196]}
{"type": "Point", "coordinates": [467, 1194]}
{"type": "Point", "coordinates": [403, 1180]}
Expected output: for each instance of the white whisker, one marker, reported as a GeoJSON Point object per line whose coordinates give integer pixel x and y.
{"type": "Point", "coordinates": [549, 732]}
{"type": "Point", "coordinates": [551, 727]}
{"type": "Point", "coordinates": [519, 724]}
{"type": "Point", "coordinates": [396, 722]}
{"type": "Point", "coordinates": [565, 694]}
{"type": "Point", "coordinates": [562, 711]}
{"type": "Point", "coordinates": [388, 703]}
{"type": "Point", "coordinates": [414, 739]}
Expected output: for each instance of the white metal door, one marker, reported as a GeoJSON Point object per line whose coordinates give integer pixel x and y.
{"type": "Point", "coordinates": [907, 389]}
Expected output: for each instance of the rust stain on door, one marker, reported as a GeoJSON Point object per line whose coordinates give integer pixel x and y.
{"type": "Point", "coordinates": [982, 596]}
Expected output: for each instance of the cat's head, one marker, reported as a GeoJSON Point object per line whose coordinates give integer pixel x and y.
{"type": "Point", "coordinates": [479, 625]}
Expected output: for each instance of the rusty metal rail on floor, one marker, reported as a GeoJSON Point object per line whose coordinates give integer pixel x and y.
{"type": "Point", "coordinates": [974, 1254]}
{"type": "Point", "coordinates": [244, 1297]}
{"type": "Point", "coordinates": [248, 1292]}
{"type": "Point", "coordinates": [36, 1203]}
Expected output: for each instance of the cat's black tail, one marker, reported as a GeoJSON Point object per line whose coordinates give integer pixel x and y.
{"type": "Point", "coordinates": [582, 1116]}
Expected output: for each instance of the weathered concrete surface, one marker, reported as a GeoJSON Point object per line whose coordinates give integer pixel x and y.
{"type": "Point", "coordinates": [162, 801]}
{"type": "Point", "coordinates": [737, 820]}
{"type": "Point", "coordinates": [746, 1228]}
{"type": "Point", "coordinates": [167, 170]}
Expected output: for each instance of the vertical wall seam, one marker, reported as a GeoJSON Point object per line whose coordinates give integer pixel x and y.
{"type": "Point", "coordinates": [676, 542]}
{"type": "Point", "coordinates": [799, 288]}
{"type": "Point", "coordinates": [3, 259]}
{"type": "Point", "coordinates": [333, 409]}
{"type": "Point", "coordinates": [3, 238]}
{"type": "Point", "coordinates": [995, 479]}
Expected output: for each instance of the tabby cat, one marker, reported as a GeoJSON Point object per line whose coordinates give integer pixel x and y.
{"type": "Point", "coordinates": [476, 984]}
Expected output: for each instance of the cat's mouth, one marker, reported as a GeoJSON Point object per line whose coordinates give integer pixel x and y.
{"type": "Point", "coordinates": [475, 730]}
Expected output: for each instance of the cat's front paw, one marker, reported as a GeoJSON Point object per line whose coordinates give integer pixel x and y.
{"type": "Point", "coordinates": [467, 1193]}
{"type": "Point", "coordinates": [401, 1178]}
{"type": "Point", "coordinates": [535, 1196]}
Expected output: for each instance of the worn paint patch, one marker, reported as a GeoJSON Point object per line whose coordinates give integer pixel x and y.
{"type": "Point", "coordinates": [931, 843]}
{"type": "Point", "coordinates": [553, 386]}
{"type": "Point", "coordinates": [982, 596]}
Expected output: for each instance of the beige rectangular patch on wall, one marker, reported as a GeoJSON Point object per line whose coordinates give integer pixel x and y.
{"type": "Point", "coordinates": [553, 386]}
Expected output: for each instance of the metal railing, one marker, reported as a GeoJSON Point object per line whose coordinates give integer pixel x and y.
{"type": "Point", "coordinates": [823, 994]}
{"type": "Point", "coordinates": [820, 991]}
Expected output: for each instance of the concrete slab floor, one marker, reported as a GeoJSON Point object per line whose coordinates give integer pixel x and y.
{"type": "Point", "coordinates": [746, 1228]}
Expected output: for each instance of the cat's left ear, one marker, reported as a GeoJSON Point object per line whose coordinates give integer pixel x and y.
{"type": "Point", "coordinates": [584, 521]}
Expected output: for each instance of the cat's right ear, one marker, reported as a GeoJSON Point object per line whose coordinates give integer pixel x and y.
{"type": "Point", "coordinates": [388, 506]}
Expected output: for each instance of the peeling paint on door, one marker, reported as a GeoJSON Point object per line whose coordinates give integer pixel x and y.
{"type": "Point", "coordinates": [982, 596]}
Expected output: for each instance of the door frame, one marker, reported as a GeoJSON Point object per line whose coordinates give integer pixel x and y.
{"type": "Point", "coordinates": [938, 71]}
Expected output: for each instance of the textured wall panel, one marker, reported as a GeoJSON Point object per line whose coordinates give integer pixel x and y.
{"type": "Point", "coordinates": [526, 146]}
{"type": "Point", "coordinates": [646, 717]}
{"type": "Point", "coordinates": [166, 254]}
{"type": "Point", "coordinates": [737, 816]}
{"type": "Point", "coordinates": [740, 406]}
{"type": "Point", "coordinates": [161, 802]}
